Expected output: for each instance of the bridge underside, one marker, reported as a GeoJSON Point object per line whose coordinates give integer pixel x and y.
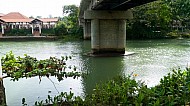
{"type": "Point", "coordinates": [118, 4]}
{"type": "Point", "coordinates": [104, 21]}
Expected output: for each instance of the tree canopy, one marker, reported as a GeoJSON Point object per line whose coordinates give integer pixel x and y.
{"type": "Point", "coordinates": [161, 16]}
{"type": "Point", "coordinates": [69, 24]}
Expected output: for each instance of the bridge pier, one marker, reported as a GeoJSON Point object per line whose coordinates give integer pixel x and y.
{"type": "Point", "coordinates": [108, 31]}
{"type": "Point", "coordinates": [87, 29]}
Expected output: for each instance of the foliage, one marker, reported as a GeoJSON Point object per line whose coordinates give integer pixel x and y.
{"type": "Point", "coordinates": [120, 91]}
{"type": "Point", "coordinates": [173, 90]}
{"type": "Point", "coordinates": [48, 32]}
{"type": "Point", "coordinates": [64, 99]}
{"type": "Point", "coordinates": [71, 19]}
{"type": "Point", "coordinates": [18, 32]}
{"type": "Point", "coordinates": [24, 32]}
{"type": "Point", "coordinates": [156, 19]}
{"type": "Point", "coordinates": [60, 29]}
{"type": "Point", "coordinates": [27, 66]}
{"type": "Point", "coordinates": [69, 24]}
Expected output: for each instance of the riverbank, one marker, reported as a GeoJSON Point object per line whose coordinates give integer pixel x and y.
{"type": "Point", "coordinates": [27, 38]}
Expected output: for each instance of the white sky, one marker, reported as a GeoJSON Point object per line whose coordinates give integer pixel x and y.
{"type": "Point", "coordinates": [35, 8]}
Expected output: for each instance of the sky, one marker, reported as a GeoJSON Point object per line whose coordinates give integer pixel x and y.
{"type": "Point", "coordinates": [34, 8]}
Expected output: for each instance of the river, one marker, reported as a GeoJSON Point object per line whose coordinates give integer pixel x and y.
{"type": "Point", "coordinates": [153, 60]}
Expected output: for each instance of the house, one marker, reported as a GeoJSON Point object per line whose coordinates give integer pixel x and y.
{"type": "Point", "coordinates": [45, 23]}
{"type": "Point", "coordinates": [16, 20]}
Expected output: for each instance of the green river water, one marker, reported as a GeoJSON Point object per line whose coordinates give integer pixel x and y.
{"type": "Point", "coordinates": [153, 60]}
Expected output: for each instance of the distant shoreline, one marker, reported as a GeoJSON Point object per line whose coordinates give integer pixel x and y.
{"type": "Point", "coordinates": [28, 38]}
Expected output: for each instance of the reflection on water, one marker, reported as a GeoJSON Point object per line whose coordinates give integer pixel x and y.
{"type": "Point", "coordinates": [101, 69]}
{"type": "Point", "coordinates": [153, 60]}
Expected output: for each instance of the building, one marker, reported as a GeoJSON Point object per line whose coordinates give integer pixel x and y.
{"type": "Point", "coordinates": [16, 20]}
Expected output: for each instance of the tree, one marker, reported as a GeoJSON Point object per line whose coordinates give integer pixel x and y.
{"type": "Point", "coordinates": [69, 24]}
{"type": "Point", "coordinates": [151, 20]}
{"type": "Point", "coordinates": [60, 29]}
{"type": "Point", "coordinates": [161, 16]}
{"type": "Point", "coordinates": [38, 16]}
{"type": "Point", "coordinates": [31, 17]}
{"type": "Point", "coordinates": [70, 19]}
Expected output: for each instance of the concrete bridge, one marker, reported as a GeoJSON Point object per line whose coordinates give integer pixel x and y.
{"type": "Point", "coordinates": [104, 21]}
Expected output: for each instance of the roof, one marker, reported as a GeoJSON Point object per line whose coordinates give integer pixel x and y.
{"type": "Point", "coordinates": [16, 20]}
{"type": "Point", "coordinates": [45, 20]}
{"type": "Point", "coordinates": [1, 14]}
{"type": "Point", "coordinates": [15, 17]}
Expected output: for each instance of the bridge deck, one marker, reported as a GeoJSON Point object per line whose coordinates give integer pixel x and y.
{"type": "Point", "coordinates": [118, 4]}
{"type": "Point", "coordinates": [109, 5]}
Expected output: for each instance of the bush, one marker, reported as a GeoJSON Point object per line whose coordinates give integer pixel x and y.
{"type": "Point", "coordinates": [173, 34]}
{"type": "Point", "coordinates": [18, 32]}
{"type": "Point", "coordinates": [60, 29]}
{"type": "Point", "coordinates": [48, 32]}
{"type": "Point", "coordinates": [173, 90]}
{"type": "Point", "coordinates": [140, 30]}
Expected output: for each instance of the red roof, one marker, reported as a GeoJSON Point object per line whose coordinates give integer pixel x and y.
{"type": "Point", "coordinates": [15, 17]}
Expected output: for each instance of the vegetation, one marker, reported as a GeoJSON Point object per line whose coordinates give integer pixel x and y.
{"type": "Point", "coordinates": [158, 19]}
{"type": "Point", "coordinates": [18, 32]}
{"type": "Point", "coordinates": [48, 32]}
{"type": "Point", "coordinates": [28, 32]}
{"type": "Point", "coordinates": [173, 90]}
{"type": "Point", "coordinates": [27, 66]}
{"type": "Point", "coordinates": [69, 25]}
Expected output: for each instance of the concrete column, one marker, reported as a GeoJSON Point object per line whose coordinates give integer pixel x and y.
{"type": "Point", "coordinates": [49, 26]}
{"type": "Point", "coordinates": [40, 29]}
{"type": "Point", "coordinates": [95, 36]}
{"type": "Point", "coordinates": [12, 26]}
{"type": "Point", "coordinates": [108, 31]}
{"type": "Point", "coordinates": [87, 29]}
{"type": "Point", "coordinates": [32, 29]}
{"type": "Point", "coordinates": [2, 31]}
{"type": "Point", "coordinates": [19, 26]}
